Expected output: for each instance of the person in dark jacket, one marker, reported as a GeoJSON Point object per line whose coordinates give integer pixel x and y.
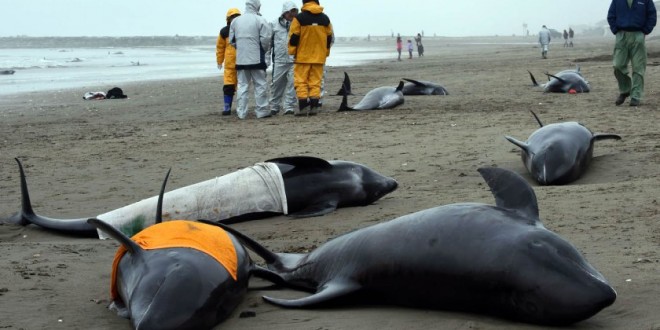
{"type": "Point", "coordinates": [630, 21]}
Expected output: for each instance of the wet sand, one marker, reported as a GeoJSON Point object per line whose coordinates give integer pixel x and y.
{"type": "Point", "coordinates": [83, 158]}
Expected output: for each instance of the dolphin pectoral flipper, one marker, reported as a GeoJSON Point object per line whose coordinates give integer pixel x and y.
{"type": "Point", "coordinates": [417, 83]}
{"type": "Point", "coordinates": [511, 191]}
{"type": "Point", "coordinates": [305, 161]}
{"type": "Point", "coordinates": [560, 79]}
{"type": "Point", "coordinates": [605, 136]}
{"type": "Point", "coordinates": [520, 144]}
{"type": "Point", "coordinates": [316, 209]}
{"type": "Point", "coordinates": [331, 290]}
{"type": "Point", "coordinates": [533, 79]}
{"type": "Point", "coordinates": [113, 232]}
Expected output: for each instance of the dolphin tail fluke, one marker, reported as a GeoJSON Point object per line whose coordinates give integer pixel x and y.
{"type": "Point", "coordinates": [113, 232]}
{"type": "Point", "coordinates": [345, 86]}
{"type": "Point", "coordinates": [537, 118]}
{"type": "Point", "coordinates": [533, 79]}
{"type": "Point", "coordinates": [511, 191]}
{"type": "Point", "coordinates": [22, 217]}
{"type": "Point", "coordinates": [605, 136]}
{"type": "Point", "coordinates": [331, 290]}
{"type": "Point", "coordinates": [159, 206]}
{"type": "Point", "coordinates": [344, 104]}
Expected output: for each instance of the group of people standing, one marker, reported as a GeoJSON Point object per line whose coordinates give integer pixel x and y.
{"type": "Point", "coordinates": [568, 37]}
{"type": "Point", "coordinates": [418, 42]}
{"type": "Point", "coordinates": [297, 44]}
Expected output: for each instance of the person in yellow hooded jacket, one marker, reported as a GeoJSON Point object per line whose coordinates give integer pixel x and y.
{"type": "Point", "coordinates": [225, 54]}
{"type": "Point", "coordinates": [310, 39]}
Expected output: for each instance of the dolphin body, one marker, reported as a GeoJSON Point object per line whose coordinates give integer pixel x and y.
{"type": "Point", "coordinates": [377, 99]}
{"type": "Point", "coordinates": [419, 87]}
{"type": "Point", "coordinates": [564, 81]}
{"type": "Point", "coordinates": [558, 153]}
{"type": "Point", "coordinates": [277, 186]}
{"type": "Point", "coordinates": [491, 259]}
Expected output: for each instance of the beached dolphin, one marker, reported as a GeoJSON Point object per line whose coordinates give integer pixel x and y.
{"type": "Point", "coordinates": [7, 72]}
{"type": "Point", "coordinates": [376, 99]}
{"type": "Point", "coordinates": [558, 153]}
{"type": "Point", "coordinates": [497, 260]}
{"type": "Point", "coordinates": [564, 81]}
{"type": "Point", "coordinates": [345, 86]}
{"type": "Point", "coordinates": [177, 274]}
{"type": "Point", "coordinates": [295, 186]}
{"type": "Point", "coordinates": [418, 87]}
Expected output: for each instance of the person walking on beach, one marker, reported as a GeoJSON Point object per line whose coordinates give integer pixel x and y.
{"type": "Point", "coordinates": [225, 54]}
{"type": "Point", "coordinates": [630, 21]}
{"type": "Point", "coordinates": [565, 38]}
{"type": "Point", "coordinates": [570, 37]}
{"type": "Point", "coordinates": [420, 47]}
{"type": "Point", "coordinates": [544, 40]}
{"type": "Point", "coordinates": [281, 86]}
{"type": "Point", "coordinates": [310, 39]}
{"type": "Point", "coordinates": [410, 49]}
{"type": "Point", "coordinates": [251, 35]}
{"type": "Point", "coordinates": [399, 46]}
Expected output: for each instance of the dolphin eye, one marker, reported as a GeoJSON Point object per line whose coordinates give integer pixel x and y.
{"type": "Point", "coordinates": [536, 243]}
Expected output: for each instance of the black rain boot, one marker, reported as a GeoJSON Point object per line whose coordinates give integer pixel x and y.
{"type": "Point", "coordinates": [302, 104]}
{"type": "Point", "coordinates": [313, 106]}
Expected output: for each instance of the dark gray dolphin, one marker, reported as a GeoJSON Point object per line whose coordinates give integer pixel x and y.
{"type": "Point", "coordinates": [498, 260]}
{"type": "Point", "coordinates": [345, 86]}
{"type": "Point", "coordinates": [418, 87]}
{"type": "Point", "coordinates": [160, 283]}
{"type": "Point", "coordinates": [564, 81]}
{"type": "Point", "coordinates": [376, 99]}
{"type": "Point", "coordinates": [559, 153]}
{"type": "Point", "coordinates": [336, 184]}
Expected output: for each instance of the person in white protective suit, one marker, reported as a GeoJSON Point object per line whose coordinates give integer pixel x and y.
{"type": "Point", "coordinates": [281, 87]}
{"type": "Point", "coordinates": [251, 35]}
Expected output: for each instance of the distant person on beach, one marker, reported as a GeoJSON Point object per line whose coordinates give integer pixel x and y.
{"type": "Point", "coordinates": [544, 40]}
{"type": "Point", "coordinates": [420, 47]}
{"type": "Point", "coordinates": [410, 49]}
{"type": "Point", "coordinates": [251, 35]}
{"type": "Point", "coordinates": [225, 54]}
{"type": "Point", "coordinates": [630, 21]}
{"type": "Point", "coordinates": [281, 87]}
{"type": "Point", "coordinates": [310, 40]}
{"type": "Point", "coordinates": [565, 38]}
{"type": "Point", "coordinates": [399, 46]}
{"type": "Point", "coordinates": [570, 37]}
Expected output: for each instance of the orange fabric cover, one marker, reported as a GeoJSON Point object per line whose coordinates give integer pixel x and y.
{"type": "Point", "coordinates": [209, 239]}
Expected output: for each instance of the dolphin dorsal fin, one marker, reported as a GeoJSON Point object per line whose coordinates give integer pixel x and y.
{"type": "Point", "coordinates": [511, 191]}
{"type": "Point", "coordinates": [537, 118]}
{"type": "Point", "coordinates": [113, 232]}
{"type": "Point", "coordinates": [400, 87]}
{"type": "Point", "coordinates": [159, 205]}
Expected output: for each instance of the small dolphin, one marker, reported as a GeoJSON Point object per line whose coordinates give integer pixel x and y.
{"type": "Point", "coordinates": [558, 153]}
{"type": "Point", "coordinates": [345, 86]}
{"type": "Point", "coordinates": [492, 259]}
{"type": "Point", "coordinates": [564, 81]}
{"type": "Point", "coordinates": [178, 274]}
{"type": "Point", "coordinates": [418, 87]}
{"type": "Point", "coordinates": [276, 186]}
{"type": "Point", "coordinates": [376, 99]}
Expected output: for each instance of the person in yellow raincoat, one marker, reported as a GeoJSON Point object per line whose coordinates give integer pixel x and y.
{"type": "Point", "coordinates": [310, 39]}
{"type": "Point", "coordinates": [226, 53]}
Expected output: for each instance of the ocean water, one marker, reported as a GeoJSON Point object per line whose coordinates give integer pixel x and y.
{"type": "Point", "coordinates": [99, 69]}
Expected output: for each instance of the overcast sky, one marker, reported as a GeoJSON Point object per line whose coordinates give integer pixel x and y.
{"type": "Point", "coordinates": [349, 17]}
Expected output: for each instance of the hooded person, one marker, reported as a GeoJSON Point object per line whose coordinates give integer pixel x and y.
{"type": "Point", "coordinates": [544, 40]}
{"type": "Point", "coordinates": [251, 35]}
{"type": "Point", "coordinates": [281, 87]}
{"type": "Point", "coordinates": [310, 39]}
{"type": "Point", "coordinates": [225, 54]}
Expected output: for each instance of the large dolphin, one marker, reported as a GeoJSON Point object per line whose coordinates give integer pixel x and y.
{"type": "Point", "coordinates": [376, 99]}
{"type": "Point", "coordinates": [564, 81]}
{"type": "Point", "coordinates": [559, 153]}
{"type": "Point", "coordinates": [497, 260]}
{"type": "Point", "coordinates": [296, 186]}
{"type": "Point", "coordinates": [418, 87]}
{"type": "Point", "coordinates": [177, 274]}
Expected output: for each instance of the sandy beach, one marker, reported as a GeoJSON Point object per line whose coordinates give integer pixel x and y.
{"type": "Point", "coordinates": [84, 158]}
